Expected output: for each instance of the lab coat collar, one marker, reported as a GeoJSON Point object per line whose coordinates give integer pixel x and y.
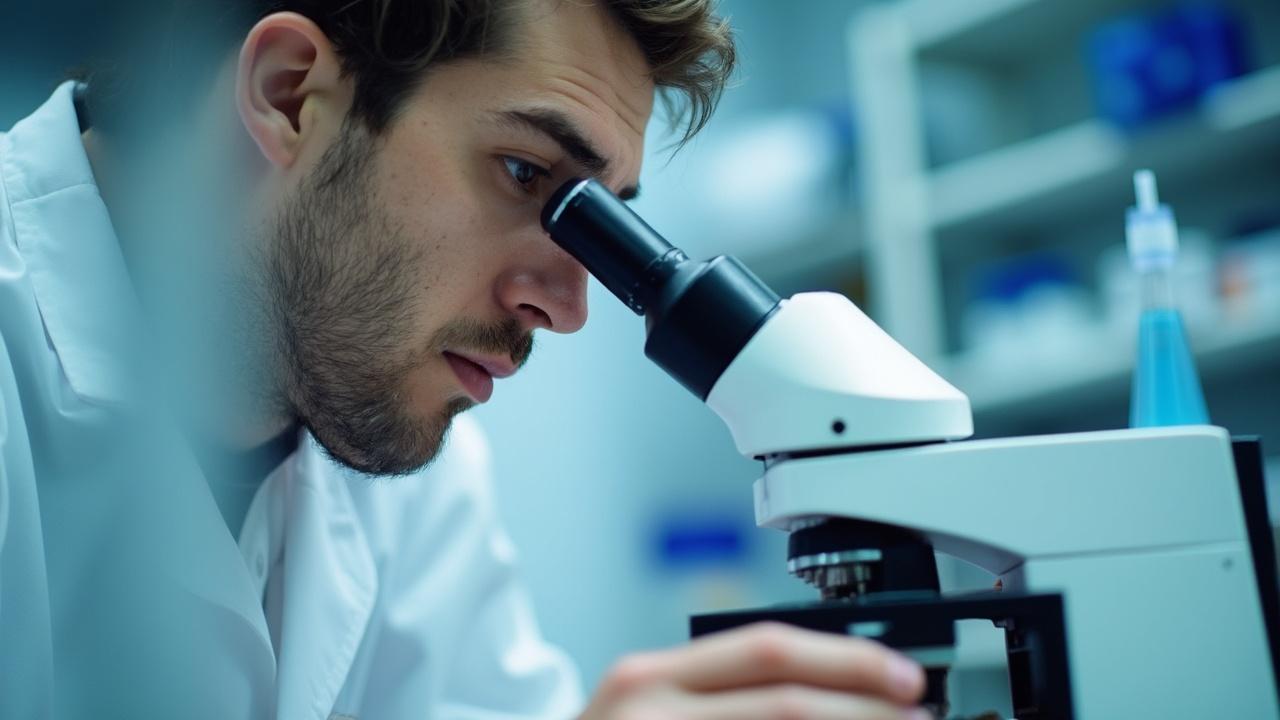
{"type": "Point", "coordinates": [66, 239]}
{"type": "Point", "coordinates": [330, 582]}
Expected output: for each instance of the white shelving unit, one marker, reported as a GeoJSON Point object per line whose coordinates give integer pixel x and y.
{"type": "Point", "coordinates": [915, 212]}
{"type": "Point", "coordinates": [1053, 172]}
{"type": "Point", "coordinates": [1106, 361]}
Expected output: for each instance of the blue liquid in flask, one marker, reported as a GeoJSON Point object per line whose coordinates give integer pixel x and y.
{"type": "Point", "coordinates": [1166, 387]}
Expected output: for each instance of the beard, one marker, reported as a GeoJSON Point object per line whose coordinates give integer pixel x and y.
{"type": "Point", "coordinates": [344, 286]}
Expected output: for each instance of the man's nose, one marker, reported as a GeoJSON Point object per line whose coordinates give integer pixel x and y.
{"type": "Point", "coordinates": [546, 290]}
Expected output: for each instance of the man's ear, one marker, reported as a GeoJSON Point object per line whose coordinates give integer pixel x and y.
{"type": "Point", "coordinates": [288, 79]}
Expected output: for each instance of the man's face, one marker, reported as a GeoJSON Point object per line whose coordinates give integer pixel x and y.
{"type": "Point", "coordinates": [406, 270]}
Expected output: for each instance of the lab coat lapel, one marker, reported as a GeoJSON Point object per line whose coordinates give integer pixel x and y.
{"type": "Point", "coordinates": [198, 557]}
{"type": "Point", "coordinates": [71, 252]}
{"type": "Point", "coordinates": [205, 558]}
{"type": "Point", "coordinates": [144, 480]}
{"type": "Point", "coordinates": [330, 585]}
{"type": "Point", "coordinates": [93, 320]}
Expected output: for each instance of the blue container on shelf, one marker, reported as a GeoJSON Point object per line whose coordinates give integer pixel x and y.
{"type": "Point", "coordinates": [1144, 67]}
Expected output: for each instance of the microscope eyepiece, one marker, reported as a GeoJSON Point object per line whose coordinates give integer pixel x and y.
{"type": "Point", "coordinates": [626, 255]}
{"type": "Point", "coordinates": [699, 315]}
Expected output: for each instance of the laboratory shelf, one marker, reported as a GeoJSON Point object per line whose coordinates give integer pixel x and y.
{"type": "Point", "coordinates": [1025, 178]}
{"type": "Point", "coordinates": [939, 22]}
{"type": "Point", "coordinates": [995, 29]}
{"type": "Point", "coordinates": [1011, 386]}
{"type": "Point", "coordinates": [1082, 165]}
{"type": "Point", "coordinates": [828, 255]}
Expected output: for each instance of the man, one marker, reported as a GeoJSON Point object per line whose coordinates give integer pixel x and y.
{"type": "Point", "coordinates": [217, 327]}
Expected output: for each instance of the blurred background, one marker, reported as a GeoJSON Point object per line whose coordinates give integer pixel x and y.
{"type": "Point", "coordinates": [959, 169]}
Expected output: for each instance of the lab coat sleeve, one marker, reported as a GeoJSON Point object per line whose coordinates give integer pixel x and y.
{"type": "Point", "coordinates": [456, 588]}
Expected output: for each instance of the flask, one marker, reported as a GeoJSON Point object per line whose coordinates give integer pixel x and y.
{"type": "Point", "coordinates": [1166, 386]}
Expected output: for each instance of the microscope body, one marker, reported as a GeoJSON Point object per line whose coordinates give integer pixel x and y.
{"type": "Point", "coordinates": [1137, 567]}
{"type": "Point", "coordinates": [1131, 584]}
{"type": "Point", "coordinates": [1142, 533]}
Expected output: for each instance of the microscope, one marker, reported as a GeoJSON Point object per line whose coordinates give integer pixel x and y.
{"type": "Point", "coordinates": [1136, 569]}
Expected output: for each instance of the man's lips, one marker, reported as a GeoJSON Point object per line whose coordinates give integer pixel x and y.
{"type": "Point", "coordinates": [476, 373]}
{"type": "Point", "coordinates": [495, 366]}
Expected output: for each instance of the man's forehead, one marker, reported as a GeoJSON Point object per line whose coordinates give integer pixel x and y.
{"type": "Point", "coordinates": [577, 57]}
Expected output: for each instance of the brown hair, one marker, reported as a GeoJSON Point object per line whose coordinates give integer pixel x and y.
{"type": "Point", "coordinates": [387, 45]}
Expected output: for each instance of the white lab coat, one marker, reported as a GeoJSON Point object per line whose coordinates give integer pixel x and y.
{"type": "Point", "coordinates": [122, 593]}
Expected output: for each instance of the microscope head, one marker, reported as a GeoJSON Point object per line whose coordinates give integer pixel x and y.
{"type": "Point", "coordinates": [809, 373]}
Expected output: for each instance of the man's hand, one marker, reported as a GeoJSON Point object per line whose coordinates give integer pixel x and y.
{"type": "Point", "coordinates": [759, 672]}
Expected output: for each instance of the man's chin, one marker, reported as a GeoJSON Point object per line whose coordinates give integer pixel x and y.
{"type": "Point", "coordinates": [391, 448]}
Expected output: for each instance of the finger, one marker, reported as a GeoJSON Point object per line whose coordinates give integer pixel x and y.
{"type": "Point", "coordinates": [788, 702]}
{"type": "Point", "coordinates": [769, 653]}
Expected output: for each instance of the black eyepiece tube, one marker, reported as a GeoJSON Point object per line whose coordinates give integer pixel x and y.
{"type": "Point", "coordinates": [612, 242]}
{"type": "Point", "coordinates": [698, 315]}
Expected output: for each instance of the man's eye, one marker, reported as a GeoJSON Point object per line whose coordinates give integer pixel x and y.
{"type": "Point", "coordinates": [524, 174]}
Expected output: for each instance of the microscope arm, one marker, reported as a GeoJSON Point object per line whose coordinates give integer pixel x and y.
{"type": "Point", "coordinates": [998, 503]}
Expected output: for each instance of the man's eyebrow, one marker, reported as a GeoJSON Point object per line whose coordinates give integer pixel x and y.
{"type": "Point", "coordinates": [557, 126]}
